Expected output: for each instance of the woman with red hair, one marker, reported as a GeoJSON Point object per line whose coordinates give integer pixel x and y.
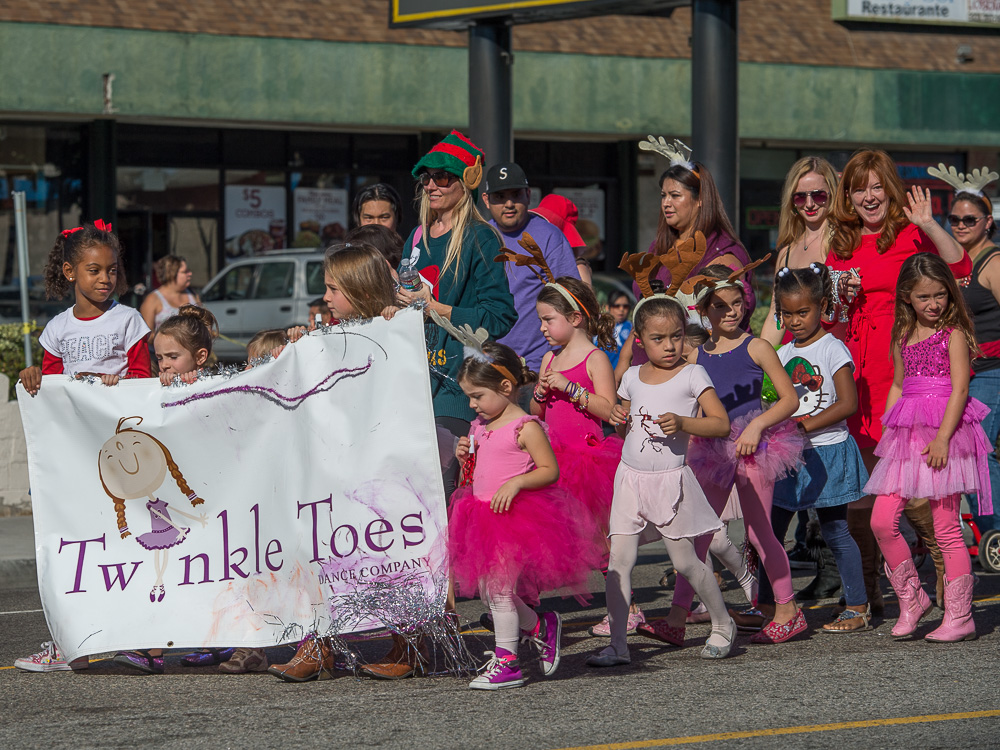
{"type": "Point", "coordinates": [877, 226]}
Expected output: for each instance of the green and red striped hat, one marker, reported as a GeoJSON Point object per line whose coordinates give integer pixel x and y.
{"type": "Point", "coordinates": [455, 154]}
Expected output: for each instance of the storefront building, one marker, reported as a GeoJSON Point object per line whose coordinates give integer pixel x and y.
{"type": "Point", "coordinates": [212, 131]}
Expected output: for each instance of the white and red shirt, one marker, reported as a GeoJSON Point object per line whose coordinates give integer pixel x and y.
{"type": "Point", "coordinates": [112, 343]}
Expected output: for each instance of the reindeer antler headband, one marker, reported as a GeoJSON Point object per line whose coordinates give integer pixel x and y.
{"type": "Point", "coordinates": [701, 286]}
{"type": "Point", "coordinates": [678, 153]}
{"type": "Point", "coordinates": [472, 343]}
{"type": "Point", "coordinates": [535, 262]}
{"type": "Point", "coordinates": [679, 260]}
{"type": "Point", "coordinates": [973, 182]}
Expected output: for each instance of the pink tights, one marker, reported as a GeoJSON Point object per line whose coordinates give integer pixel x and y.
{"type": "Point", "coordinates": [947, 530]}
{"type": "Point", "coordinates": [755, 501]}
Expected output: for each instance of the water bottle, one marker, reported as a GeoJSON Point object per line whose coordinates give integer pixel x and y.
{"type": "Point", "coordinates": [409, 277]}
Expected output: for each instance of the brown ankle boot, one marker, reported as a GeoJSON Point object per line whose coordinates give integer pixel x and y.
{"type": "Point", "coordinates": [859, 524]}
{"type": "Point", "coordinates": [313, 661]}
{"type": "Point", "coordinates": [402, 661]}
{"type": "Point", "coordinates": [918, 513]}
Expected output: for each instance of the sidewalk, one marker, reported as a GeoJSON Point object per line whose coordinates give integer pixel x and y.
{"type": "Point", "coordinates": [17, 553]}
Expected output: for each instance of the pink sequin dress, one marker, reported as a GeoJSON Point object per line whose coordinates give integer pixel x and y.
{"type": "Point", "coordinates": [541, 543]}
{"type": "Point", "coordinates": [912, 423]}
{"type": "Point", "coordinates": [587, 460]}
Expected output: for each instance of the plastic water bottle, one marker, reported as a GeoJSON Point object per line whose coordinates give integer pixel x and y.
{"type": "Point", "coordinates": [409, 279]}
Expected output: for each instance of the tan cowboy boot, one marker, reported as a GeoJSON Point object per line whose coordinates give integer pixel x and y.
{"type": "Point", "coordinates": [401, 662]}
{"type": "Point", "coordinates": [918, 513]}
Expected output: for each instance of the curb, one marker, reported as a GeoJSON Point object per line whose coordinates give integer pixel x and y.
{"type": "Point", "coordinates": [18, 574]}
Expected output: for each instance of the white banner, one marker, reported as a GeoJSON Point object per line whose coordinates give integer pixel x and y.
{"type": "Point", "coordinates": [249, 500]}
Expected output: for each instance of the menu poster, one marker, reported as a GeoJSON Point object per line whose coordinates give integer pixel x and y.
{"type": "Point", "coordinates": [320, 216]}
{"type": "Point", "coordinates": [590, 206]}
{"type": "Point", "coordinates": [255, 219]}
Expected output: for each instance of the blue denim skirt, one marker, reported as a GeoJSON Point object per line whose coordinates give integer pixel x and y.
{"type": "Point", "coordinates": [832, 475]}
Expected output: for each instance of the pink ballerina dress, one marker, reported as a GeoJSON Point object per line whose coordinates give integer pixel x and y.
{"type": "Point", "coordinates": [541, 543]}
{"type": "Point", "coordinates": [912, 423]}
{"type": "Point", "coordinates": [587, 460]}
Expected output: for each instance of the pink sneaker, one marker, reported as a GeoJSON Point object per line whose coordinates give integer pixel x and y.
{"type": "Point", "coordinates": [50, 659]}
{"type": "Point", "coordinates": [499, 673]}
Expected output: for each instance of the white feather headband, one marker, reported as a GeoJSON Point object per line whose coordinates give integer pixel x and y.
{"type": "Point", "coordinates": [678, 153]}
{"type": "Point", "coordinates": [472, 344]}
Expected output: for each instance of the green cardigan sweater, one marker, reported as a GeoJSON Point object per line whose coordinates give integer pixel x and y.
{"type": "Point", "coordinates": [476, 288]}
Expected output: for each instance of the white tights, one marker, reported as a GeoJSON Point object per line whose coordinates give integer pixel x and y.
{"type": "Point", "coordinates": [624, 552]}
{"type": "Point", "coordinates": [723, 550]}
{"type": "Point", "coordinates": [510, 615]}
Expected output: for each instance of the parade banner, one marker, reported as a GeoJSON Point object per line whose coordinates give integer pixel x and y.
{"type": "Point", "coordinates": [238, 511]}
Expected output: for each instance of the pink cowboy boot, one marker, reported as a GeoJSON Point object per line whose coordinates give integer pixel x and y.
{"type": "Point", "coordinates": [913, 600]}
{"type": "Point", "coordinates": [957, 624]}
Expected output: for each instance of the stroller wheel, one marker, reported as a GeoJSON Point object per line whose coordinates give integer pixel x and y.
{"type": "Point", "coordinates": [989, 551]}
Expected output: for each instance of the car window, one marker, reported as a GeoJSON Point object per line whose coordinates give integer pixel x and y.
{"type": "Point", "coordinates": [315, 285]}
{"type": "Point", "coordinates": [234, 284]}
{"type": "Point", "coordinates": [276, 281]}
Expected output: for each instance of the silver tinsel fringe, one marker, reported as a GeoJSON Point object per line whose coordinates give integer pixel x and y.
{"type": "Point", "coordinates": [407, 610]}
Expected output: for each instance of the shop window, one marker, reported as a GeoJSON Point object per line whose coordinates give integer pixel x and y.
{"type": "Point", "coordinates": [256, 212]}
{"type": "Point", "coordinates": [166, 189]}
{"type": "Point", "coordinates": [319, 150]}
{"type": "Point", "coordinates": [46, 163]}
{"type": "Point", "coordinates": [257, 148]}
{"type": "Point", "coordinates": [384, 153]}
{"type": "Point", "coordinates": [320, 208]}
{"type": "Point", "coordinates": [151, 144]}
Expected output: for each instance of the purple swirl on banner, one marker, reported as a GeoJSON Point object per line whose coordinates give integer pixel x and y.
{"type": "Point", "coordinates": [272, 395]}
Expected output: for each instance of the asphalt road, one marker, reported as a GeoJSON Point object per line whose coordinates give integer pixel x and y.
{"type": "Point", "coordinates": [821, 691]}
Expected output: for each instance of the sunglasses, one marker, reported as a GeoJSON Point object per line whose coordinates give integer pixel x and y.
{"type": "Point", "coordinates": [819, 197]}
{"type": "Point", "coordinates": [440, 178]}
{"type": "Point", "coordinates": [966, 221]}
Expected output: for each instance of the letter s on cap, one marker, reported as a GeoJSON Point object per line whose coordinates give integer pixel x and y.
{"type": "Point", "coordinates": [503, 173]}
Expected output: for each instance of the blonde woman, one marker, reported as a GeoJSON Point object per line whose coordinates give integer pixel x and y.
{"type": "Point", "coordinates": [803, 229]}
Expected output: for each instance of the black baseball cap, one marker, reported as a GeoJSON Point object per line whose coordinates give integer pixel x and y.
{"type": "Point", "coordinates": [508, 176]}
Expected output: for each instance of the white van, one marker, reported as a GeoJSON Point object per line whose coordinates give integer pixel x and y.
{"type": "Point", "coordinates": [265, 291]}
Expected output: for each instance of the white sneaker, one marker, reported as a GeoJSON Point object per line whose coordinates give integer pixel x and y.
{"type": "Point", "coordinates": [50, 659]}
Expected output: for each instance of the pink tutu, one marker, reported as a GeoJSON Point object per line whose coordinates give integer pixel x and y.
{"type": "Point", "coordinates": [778, 454]}
{"type": "Point", "coordinates": [541, 543]}
{"type": "Point", "coordinates": [588, 473]}
{"type": "Point", "coordinates": [910, 425]}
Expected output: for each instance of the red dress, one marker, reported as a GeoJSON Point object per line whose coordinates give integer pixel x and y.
{"type": "Point", "coordinates": [868, 333]}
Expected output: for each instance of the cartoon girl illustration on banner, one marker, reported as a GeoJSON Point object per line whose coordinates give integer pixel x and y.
{"type": "Point", "coordinates": [132, 465]}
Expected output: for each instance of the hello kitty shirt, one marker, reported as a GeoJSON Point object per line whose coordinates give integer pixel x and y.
{"type": "Point", "coordinates": [811, 369]}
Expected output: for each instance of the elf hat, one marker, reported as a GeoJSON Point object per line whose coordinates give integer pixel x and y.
{"type": "Point", "coordinates": [457, 155]}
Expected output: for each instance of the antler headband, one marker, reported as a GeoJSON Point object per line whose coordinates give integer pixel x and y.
{"type": "Point", "coordinates": [701, 286]}
{"type": "Point", "coordinates": [679, 260]}
{"type": "Point", "coordinates": [973, 182]}
{"type": "Point", "coordinates": [536, 260]}
{"type": "Point", "coordinates": [472, 343]}
{"type": "Point", "coordinates": [676, 152]}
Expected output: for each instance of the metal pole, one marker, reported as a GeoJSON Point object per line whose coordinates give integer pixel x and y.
{"type": "Point", "coordinates": [714, 96]}
{"type": "Point", "coordinates": [490, 119]}
{"type": "Point", "coordinates": [21, 234]}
